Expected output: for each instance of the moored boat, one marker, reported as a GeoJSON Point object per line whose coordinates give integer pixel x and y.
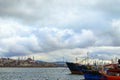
{"type": "Point", "coordinates": [93, 75]}
{"type": "Point", "coordinates": [112, 72]}
{"type": "Point", "coordinates": [76, 68]}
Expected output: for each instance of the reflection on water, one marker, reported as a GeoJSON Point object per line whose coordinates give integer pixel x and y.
{"type": "Point", "coordinates": [37, 74]}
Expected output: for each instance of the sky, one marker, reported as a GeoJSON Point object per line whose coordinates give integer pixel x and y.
{"type": "Point", "coordinates": [53, 30]}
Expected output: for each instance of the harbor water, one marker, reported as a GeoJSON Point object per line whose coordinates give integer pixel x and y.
{"type": "Point", "coordinates": [37, 74]}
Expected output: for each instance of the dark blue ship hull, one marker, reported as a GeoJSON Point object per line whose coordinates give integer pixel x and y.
{"type": "Point", "coordinates": [76, 68]}
{"type": "Point", "coordinates": [94, 75]}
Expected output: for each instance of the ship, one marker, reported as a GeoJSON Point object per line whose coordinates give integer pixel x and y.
{"type": "Point", "coordinates": [112, 72]}
{"type": "Point", "coordinates": [76, 68]}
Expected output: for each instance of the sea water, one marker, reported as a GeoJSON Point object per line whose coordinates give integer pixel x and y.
{"type": "Point", "coordinates": [37, 74]}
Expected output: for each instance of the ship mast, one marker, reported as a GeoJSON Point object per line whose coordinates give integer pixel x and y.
{"type": "Point", "coordinates": [87, 58]}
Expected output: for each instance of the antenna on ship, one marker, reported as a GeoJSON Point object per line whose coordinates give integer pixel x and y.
{"type": "Point", "coordinates": [86, 60]}
{"type": "Point", "coordinates": [76, 59]}
{"type": "Point", "coordinates": [87, 57]}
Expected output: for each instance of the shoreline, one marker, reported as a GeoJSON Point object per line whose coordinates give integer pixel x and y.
{"type": "Point", "coordinates": [33, 67]}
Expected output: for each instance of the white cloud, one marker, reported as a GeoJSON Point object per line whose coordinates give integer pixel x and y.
{"type": "Point", "coordinates": [44, 26]}
{"type": "Point", "coordinates": [18, 39]}
{"type": "Point", "coordinates": [51, 12]}
{"type": "Point", "coordinates": [104, 52]}
{"type": "Point", "coordinates": [110, 7]}
{"type": "Point", "coordinates": [115, 31]}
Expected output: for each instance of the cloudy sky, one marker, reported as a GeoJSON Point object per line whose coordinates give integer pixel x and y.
{"type": "Point", "coordinates": [53, 29]}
